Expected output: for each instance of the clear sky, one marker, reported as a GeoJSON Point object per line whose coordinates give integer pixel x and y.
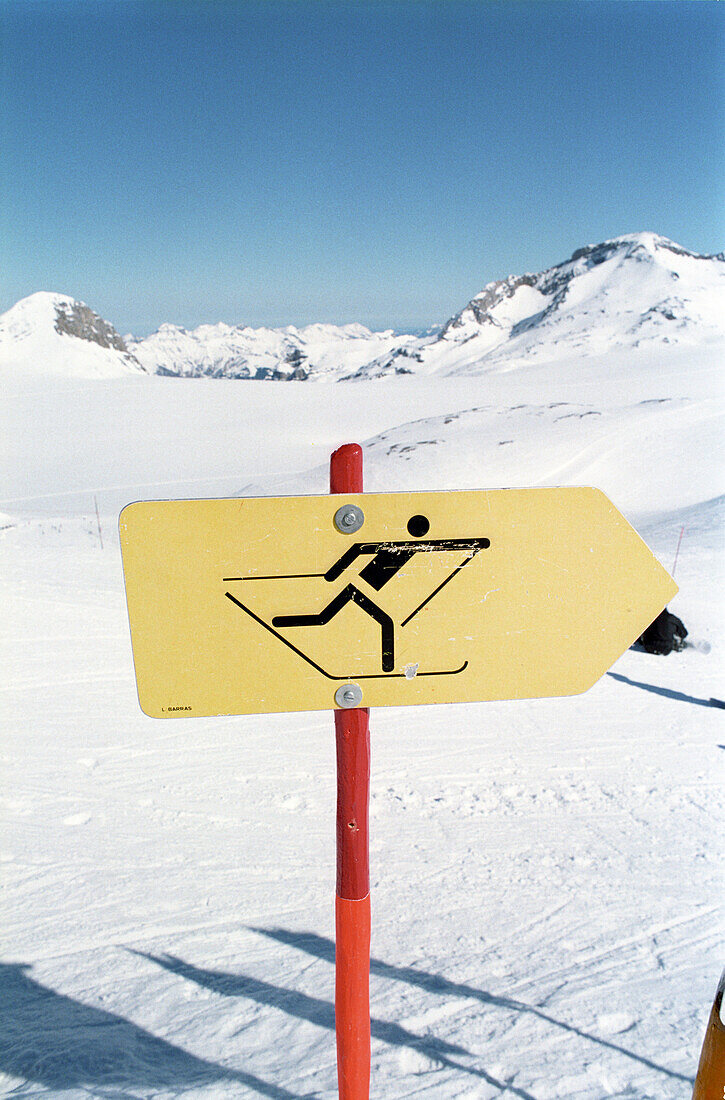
{"type": "Point", "coordinates": [287, 161]}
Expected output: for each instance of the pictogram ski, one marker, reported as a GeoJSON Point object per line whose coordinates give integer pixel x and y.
{"type": "Point", "coordinates": [387, 558]}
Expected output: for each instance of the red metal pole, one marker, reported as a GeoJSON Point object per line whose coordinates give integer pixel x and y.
{"type": "Point", "coordinates": [352, 901]}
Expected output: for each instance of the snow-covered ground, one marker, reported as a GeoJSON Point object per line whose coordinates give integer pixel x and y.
{"type": "Point", "coordinates": [546, 875]}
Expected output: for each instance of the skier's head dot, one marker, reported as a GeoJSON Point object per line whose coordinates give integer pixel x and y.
{"type": "Point", "coordinates": [418, 526]}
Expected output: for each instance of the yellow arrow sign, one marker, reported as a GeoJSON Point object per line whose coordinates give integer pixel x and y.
{"type": "Point", "coordinates": [259, 605]}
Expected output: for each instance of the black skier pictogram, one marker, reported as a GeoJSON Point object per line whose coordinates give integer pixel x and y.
{"type": "Point", "coordinates": [387, 558]}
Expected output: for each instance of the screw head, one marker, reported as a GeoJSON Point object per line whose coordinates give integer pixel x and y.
{"type": "Point", "coordinates": [348, 696]}
{"type": "Point", "coordinates": [349, 519]}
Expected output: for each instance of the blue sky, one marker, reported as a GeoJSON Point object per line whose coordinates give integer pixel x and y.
{"type": "Point", "coordinates": [286, 162]}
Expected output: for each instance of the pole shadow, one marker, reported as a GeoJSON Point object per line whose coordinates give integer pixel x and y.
{"type": "Point", "coordinates": [316, 1011]}
{"type": "Point", "coordinates": [54, 1041]}
{"type": "Point", "coordinates": [323, 948]}
{"type": "Point", "coordinates": [678, 696]}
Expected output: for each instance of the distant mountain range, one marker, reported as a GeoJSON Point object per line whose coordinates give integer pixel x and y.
{"type": "Point", "coordinates": [632, 291]}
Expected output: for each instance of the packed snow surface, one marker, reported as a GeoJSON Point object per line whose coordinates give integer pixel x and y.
{"type": "Point", "coordinates": [546, 875]}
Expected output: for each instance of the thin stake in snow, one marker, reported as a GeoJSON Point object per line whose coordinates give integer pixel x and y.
{"type": "Point", "coordinates": [677, 551]}
{"type": "Point", "coordinates": [98, 521]}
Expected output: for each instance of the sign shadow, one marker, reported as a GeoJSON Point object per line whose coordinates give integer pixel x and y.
{"type": "Point", "coordinates": [55, 1041]}
{"type": "Point", "coordinates": [323, 948]}
{"type": "Point", "coordinates": [668, 693]}
{"type": "Point", "coordinates": [320, 1012]}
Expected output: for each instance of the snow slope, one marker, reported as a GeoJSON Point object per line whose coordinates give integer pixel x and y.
{"type": "Point", "coordinates": [546, 874]}
{"type": "Point", "coordinates": [628, 293]}
{"type": "Point", "coordinates": [54, 335]}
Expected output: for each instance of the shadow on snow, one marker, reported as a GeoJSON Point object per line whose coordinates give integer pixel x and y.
{"type": "Point", "coordinates": [668, 693]}
{"type": "Point", "coordinates": [316, 1011]}
{"type": "Point", "coordinates": [323, 948]}
{"type": "Point", "coordinates": [52, 1040]}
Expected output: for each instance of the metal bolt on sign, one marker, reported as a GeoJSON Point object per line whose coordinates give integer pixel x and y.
{"type": "Point", "coordinates": [349, 695]}
{"type": "Point", "coordinates": [349, 519]}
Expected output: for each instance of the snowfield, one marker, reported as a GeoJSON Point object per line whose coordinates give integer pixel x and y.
{"type": "Point", "coordinates": [546, 875]}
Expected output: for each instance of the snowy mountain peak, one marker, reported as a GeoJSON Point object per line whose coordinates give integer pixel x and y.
{"type": "Point", "coordinates": [643, 243]}
{"type": "Point", "coordinates": [640, 288]}
{"type": "Point", "coordinates": [554, 283]}
{"type": "Point", "coordinates": [49, 333]}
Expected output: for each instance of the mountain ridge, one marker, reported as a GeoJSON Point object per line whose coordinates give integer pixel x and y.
{"type": "Point", "coordinates": [279, 354]}
{"type": "Point", "coordinates": [626, 292]}
{"type": "Point", "coordinates": [622, 283]}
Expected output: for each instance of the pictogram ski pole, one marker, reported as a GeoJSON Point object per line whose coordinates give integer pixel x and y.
{"type": "Point", "coordinates": [352, 901]}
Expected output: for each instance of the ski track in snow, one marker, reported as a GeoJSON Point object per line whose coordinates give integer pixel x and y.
{"type": "Point", "coordinates": [545, 874]}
